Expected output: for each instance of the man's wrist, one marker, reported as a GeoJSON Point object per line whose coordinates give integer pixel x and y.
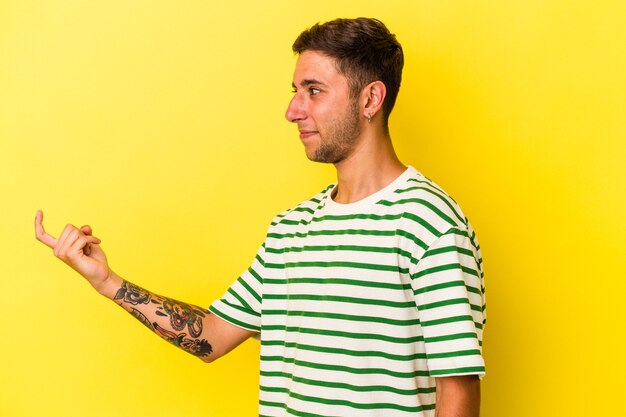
{"type": "Point", "coordinates": [110, 285]}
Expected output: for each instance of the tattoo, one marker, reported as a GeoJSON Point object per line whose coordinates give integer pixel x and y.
{"type": "Point", "coordinates": [182, 315]}
{"type": "Point", "coordinates": [132, 294]}
{"type": "Point", "coordinates": [142, 318]}
{"type": "Point", "coordinates": [194, 346]}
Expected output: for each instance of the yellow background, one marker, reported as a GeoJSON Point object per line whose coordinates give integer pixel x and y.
{"type": "Point", "coordinates": [160, 124]}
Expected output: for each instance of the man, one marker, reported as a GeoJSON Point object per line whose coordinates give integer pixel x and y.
{"type": "Point", "coordinates": [368, 297]}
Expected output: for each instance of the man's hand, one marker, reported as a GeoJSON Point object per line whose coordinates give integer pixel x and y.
{"type": "Point", "coordinates": [79, 249]}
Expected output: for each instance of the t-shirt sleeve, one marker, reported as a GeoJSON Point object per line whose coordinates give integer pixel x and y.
{"type": "Point", "coordinates": [448, 286]}
{"type": "Point", "coordinates": [241, 303]}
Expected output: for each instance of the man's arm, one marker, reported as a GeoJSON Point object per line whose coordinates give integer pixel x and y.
{"type": "Point", "coordinates": [458, 396]}
{"type": "Point", "coordinates": [191, 328]}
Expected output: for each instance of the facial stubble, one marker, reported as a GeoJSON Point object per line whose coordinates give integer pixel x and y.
{"type": "Point", "coordinates": [340, 137]}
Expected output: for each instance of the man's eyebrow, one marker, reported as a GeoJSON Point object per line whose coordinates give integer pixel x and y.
{"type": "Point", "coordinates": [307, 82]}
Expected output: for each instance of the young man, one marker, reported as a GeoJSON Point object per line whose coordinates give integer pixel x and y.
{"type": "Point", "coordinates": [368, 297]}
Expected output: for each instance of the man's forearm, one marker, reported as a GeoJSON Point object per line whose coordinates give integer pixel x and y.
{"type": "Point", "coordinates": [179, 323]}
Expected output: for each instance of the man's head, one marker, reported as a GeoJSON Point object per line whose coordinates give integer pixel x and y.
{"type": "Point", "coordinates": [364, 51]}
{"type": "Point", "coordinates": [322, 106]}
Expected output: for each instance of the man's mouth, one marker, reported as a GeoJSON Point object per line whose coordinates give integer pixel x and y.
{"type": "Point", "coordinates": [304, 134]}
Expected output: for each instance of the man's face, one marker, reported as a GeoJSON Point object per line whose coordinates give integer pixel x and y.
{"type": "Point", "coordinates": [328, 118]}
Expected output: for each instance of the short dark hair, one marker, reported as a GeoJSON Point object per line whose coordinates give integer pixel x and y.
{"type": "Point", "coordinates": [365, 51]}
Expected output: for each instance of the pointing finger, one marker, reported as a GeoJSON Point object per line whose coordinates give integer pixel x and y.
{"type": "Point", "coordinates": [41, 234]}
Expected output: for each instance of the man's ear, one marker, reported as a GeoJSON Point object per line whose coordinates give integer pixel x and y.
{"type": "Point", "coordinates": [373, 96]}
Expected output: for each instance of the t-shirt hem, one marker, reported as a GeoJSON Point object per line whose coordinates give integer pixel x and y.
{"type": "Point", "coordinates": [474, 370]}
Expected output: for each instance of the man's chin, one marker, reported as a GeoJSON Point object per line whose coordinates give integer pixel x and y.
{"type": "Point", "coordinates": [314, 158]}
{"type": "Point", "coordinates": [324, 159]}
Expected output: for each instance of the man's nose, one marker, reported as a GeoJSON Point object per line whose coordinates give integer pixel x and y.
{"type": "Point", "coordinates": [295, 110]}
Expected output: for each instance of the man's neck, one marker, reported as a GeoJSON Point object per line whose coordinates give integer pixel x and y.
{"type": "Point", "coordinates": [371, 167]}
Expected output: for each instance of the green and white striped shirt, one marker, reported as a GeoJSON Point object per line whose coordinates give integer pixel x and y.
{"type": "Point", "coordinates": [359, 306]}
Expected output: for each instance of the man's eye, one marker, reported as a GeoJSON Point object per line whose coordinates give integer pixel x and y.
{"type": "Point", "coordinates": [314, 90]}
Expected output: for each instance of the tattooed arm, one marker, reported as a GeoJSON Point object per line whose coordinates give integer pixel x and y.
{"type": "Point", "coordinates": [186, 326]}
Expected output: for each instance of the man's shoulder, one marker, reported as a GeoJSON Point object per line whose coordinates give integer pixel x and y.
{"type": "Point", "coordinates": [426, 201]}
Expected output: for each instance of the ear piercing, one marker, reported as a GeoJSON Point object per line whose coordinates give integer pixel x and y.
{"type": "Point", "coordinates": [369, 118]}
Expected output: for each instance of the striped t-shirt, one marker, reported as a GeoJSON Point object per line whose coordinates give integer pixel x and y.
{"type": "Point", "coordinates": [359, 306]}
